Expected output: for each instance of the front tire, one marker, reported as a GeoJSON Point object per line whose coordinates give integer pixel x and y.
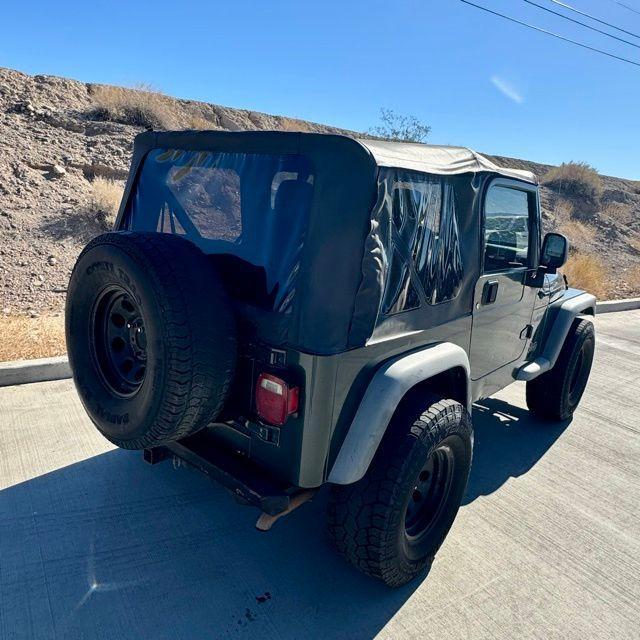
{"type": "Point", "coordinates": [555, 395]}
{"type": "Point", "coordinates": [391, 523]}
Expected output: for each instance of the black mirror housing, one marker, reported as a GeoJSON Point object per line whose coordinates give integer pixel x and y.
{"type": "Point", "coordinates": [555, 251]}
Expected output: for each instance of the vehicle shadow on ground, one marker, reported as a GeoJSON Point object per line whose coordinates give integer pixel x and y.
{"type": "Point", "coordinates": [508, 442]}
{"type": "Point", "coordinates": [113, 548]}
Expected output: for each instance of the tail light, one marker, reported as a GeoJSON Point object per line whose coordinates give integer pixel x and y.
{"type": "Point", "coordinates": [275, 399]}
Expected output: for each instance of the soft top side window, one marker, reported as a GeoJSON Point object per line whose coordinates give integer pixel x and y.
{"type": "Point", "coordinates": [423, 246]}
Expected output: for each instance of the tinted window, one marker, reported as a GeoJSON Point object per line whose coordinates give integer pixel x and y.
{"type": "Point", "coordinates": [249, 210]}
{"type": "Point", "coordinates": [506, 230]}
{"type": "Point", "coordinates": [424, 239]}
{"type": "Point", "coordinates": [211, 195]}
{"type": "Point", "coordinates": [399, 294]}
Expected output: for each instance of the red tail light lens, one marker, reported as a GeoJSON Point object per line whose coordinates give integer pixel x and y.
{"type": "Point", "coordinates": [275, 399]}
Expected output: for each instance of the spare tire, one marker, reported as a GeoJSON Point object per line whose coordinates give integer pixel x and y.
{"type": "Point", "coordinates": [151, 337]}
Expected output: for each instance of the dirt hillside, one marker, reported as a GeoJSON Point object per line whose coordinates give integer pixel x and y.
{"type": "Point", "coordinates": [59, 138]}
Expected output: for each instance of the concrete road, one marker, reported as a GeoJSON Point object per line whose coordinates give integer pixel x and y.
{"type": "Point", "coordinates": [96, 544]}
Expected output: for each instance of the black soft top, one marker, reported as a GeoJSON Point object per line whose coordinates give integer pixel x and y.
{"type": "Point", "coordinates": [342, 267]}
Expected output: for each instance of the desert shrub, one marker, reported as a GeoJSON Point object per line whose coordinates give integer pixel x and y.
{"type": "Point", "coordinates": [586, 271]}
{"type": "Point", "coordinates": [105, 200]}
{"type": "Point", "coordinates": [577, 232]}
{"type": "Point", "coordinates": [563, 209]}
{"type": "Point", "coordinates": [633, 277]}
{"type": "Point", "coordinates": [200, 123]}
{"type": "Point", "coordinates": [292, 124]}
{"type": "Point", "coordinates": [575, 180]}
{"type": "Point", "coordinates": [140, 106]}
{"type": "Point", "coordinates": [395, 126]}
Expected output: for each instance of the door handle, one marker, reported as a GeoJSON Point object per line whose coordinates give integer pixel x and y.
{"type": "Point", "coordinates": [490, 292]}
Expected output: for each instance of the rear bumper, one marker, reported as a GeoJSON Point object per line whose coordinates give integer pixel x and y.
{"type": "Point", "coordinates": [246, 480]}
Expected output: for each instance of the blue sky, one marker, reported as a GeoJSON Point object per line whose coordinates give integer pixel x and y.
{"type": "Point", "coordinates": [477, 80]}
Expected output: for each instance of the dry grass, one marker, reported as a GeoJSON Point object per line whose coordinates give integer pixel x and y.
{"type": "Point", "coordinates": [563, 209]}
{"type": "Point", "coordinates": [141, 106]}
{"type": "Point", "coordinates": [633, 277]}
{"type": "Point", "coordinates": [575, 180]}
{"type": "Point", "coordinates": [586, 271]}
{"type": "Point", "coordinates": [577, 232]}
{"type": "Point", "coordinates": [24, 338]}
{"type": "Point", "coordinates": [618, 212]}
{"type": "Point", "coordinates": [105, 199]}
{"type": "Point", "coordinates": [292, 124]}
{"type": "Point", "coordinates": [199, 123]}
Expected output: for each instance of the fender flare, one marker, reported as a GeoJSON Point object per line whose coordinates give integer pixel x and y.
{"type": "Point", "coordinates": [568, 311]}
{"type": "Point", "coordinates": [386, 389]}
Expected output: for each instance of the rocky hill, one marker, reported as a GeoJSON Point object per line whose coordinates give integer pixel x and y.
{"type": "Point", "coordinates": [58, 136]}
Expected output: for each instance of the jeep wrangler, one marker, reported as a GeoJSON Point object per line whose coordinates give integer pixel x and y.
{"type": "Point", "coordinates": [288, 310]}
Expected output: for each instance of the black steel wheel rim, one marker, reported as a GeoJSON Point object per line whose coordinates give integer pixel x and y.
{"type": "Point", "coordinates": [429, 494]}
{"type": "Point", "coordinates": [119, 341]}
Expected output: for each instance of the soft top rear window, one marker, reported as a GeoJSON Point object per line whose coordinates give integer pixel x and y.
{"type": "Point", "coordinates": [250, 211]}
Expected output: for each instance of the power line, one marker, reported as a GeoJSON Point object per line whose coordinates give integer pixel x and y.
{"type": "Point", "coordinates": [626, 6]}
{"type": "Point", "coordinates": [584, 24]}
{"type": "Point", "coordinates": [588, 15]}
{"type": "Point", "coordinates": [550, 33]}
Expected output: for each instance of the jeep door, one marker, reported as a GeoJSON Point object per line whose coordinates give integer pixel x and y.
{"type": "Point", "coordinates": [503, 301]}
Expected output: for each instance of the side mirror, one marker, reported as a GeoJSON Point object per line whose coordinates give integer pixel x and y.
{"type": "Point", "coordinates": [555, 250]}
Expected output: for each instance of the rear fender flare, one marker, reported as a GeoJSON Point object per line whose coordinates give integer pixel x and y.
{"type": "Point", "coordinates": [385, 391]}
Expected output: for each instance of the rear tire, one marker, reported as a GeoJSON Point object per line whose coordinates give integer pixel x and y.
{"type": "Point", "coordinates": [391, 523]}
{"type": "Point", "coordinates": [150, 336]}
{"type": "Point", "coordinates": [555, 395]}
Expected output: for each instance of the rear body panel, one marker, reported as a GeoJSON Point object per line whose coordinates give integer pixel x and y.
{"type": "Point", "coordinates": [332, 389]}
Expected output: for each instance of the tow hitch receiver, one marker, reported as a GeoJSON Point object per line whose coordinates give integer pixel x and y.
{"type": "Point", "coordinates": [246, 481]}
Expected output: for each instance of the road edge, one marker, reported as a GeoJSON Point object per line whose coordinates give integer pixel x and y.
{"type": "Point", "coordinates": [40, 370]}
{"type": "Point", "coordinates": [608, 306]}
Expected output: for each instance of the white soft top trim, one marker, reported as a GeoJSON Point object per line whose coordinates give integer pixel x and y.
{"type": "Point", "coordinates": [439, 160]}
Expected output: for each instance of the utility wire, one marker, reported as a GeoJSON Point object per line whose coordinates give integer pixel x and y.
{"type": "Point", "coordinates": [588, 15]}
{"type": "Point", "coordinates": [626, 6]}
{"type": "Point", "coordinates": [550, 33]}
{"type": "Point", "coordinates": [584, 24]}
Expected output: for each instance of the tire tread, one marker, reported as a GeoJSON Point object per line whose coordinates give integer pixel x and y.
{"type": "Point", "coordinates": [362, 517]}
{"type": "Point", "coordinates": [199, 370]}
